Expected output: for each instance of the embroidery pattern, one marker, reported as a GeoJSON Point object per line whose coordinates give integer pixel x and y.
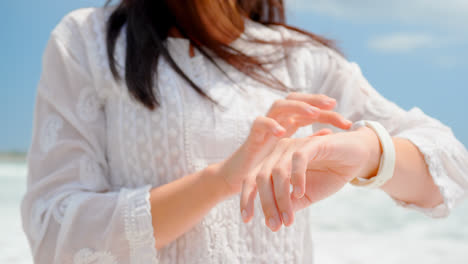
{"type": "Point", "coordinates": [88, 105]}
{"type": "Point", "coordinates": [49, 132]}
{"type": "Point", "coordinates": [139, 227]}
{"type": "Point", "coordinates": [88, 256]}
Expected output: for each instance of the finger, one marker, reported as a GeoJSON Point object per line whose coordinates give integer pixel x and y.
{"type": "Point", "coordinates": [306, 200]}
{"type": "Point", "coordinates": [249, 192]}
{"type": "Point", "coordinates": [298, 173]}
{"type": "Point", "coordinates": [288, 108]}
{"type": "Point", "coordinates": [263, 127]}
{"type": "Point", "coordinates": [265, 187]}
{"type": "Point", "coordinates": [300, 162]}
{"type": "Point", "coordinates": [319, 100]}
{"type": "Point", "coordinates": [320, 185]}
{"type": "Point", "coordinates": [270, 210]}
{"type": "Point", "coordinates": [281, 184]}
{"type": "Point", "coordinates": [335, 119]}
{"type": "Point", "coordinates": [299, 204]}
{"type": "Point", "coordinates": [325, 117]}
{"type": "Point", "coordinates": [322, 132]}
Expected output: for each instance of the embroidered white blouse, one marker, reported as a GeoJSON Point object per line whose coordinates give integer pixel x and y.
{"type": "Point", "coordinates": [96, 152]}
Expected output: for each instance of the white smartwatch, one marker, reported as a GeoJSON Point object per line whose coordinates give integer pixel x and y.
{"type": "Point", "coordinates": [387, 160]}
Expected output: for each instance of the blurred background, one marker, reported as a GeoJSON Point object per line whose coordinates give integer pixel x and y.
{"type": "Point", "coordinates": [414, 52]}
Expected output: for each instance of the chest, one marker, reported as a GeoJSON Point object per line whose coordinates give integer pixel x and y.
{"type": "Point", "coordinates": [186, 133]}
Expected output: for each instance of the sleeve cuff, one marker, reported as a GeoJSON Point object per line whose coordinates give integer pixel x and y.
{"type": "Point", "coordinates": [138, 226]}
{"type": "Point", "coordinates": [451, 192]}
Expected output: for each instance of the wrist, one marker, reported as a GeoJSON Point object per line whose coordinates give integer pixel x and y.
{"type": "Point", "coordinates": [219, 187]}
{"type": "Point", "coordinates": [374, 152]}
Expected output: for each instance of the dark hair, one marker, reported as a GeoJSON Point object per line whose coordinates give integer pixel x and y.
{"type": "Point", "coordinates": [148, 23]}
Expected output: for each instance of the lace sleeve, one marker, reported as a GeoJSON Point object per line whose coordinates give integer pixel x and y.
{"type": "Point", "coordinates": [70, 214]}
{"type": "Point", "coordinates": [446, 157]}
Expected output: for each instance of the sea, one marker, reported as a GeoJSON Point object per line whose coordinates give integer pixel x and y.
{"type": "Point", "coordinates": [355, 226]}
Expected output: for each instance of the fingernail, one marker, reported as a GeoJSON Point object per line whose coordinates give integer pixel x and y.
{"type": "Point", "coordinates": [329, 101]}
{"type": "Point", "coordinates": [273, 222]}
{"type": "Point", "coordinates": [278, 130]}
{"type": "Point", "coordinates": [348, 122]}
{"type": "Point", "coordinates": [244, 215]}
{"type": "Point", "coordinates": [297, 191]}
{"type": "Point", "coordinates": [312, 110]}
{"type": "Point", "coordinates": [285, 218]}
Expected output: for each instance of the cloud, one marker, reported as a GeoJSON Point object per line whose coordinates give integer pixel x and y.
{"type": "Point", "coordinates": [417, 27]}
{"type": "Point", "coordinates": [452, 13]}
{"type": "Point", "coordinates": [402, 42]}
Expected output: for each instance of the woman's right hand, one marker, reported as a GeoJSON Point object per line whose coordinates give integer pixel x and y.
{"type": "Point", "coordinates": [283, 119]}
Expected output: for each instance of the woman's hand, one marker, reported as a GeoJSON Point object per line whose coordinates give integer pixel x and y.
{"type": "Point", "coordinates": [282, 120]}
{"type": "Point", "coordinates": [177, 206]}
{"type": "Point", "coordinates": [316, 166]}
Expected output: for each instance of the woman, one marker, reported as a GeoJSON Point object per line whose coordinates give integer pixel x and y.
{"type": "Point", "coordinates": [152, 115]}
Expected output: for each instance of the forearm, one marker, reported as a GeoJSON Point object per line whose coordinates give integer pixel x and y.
{"type": "Point", "coordinates": [178, 206]}
{"type": "Point", "coordinates": [412, 182]}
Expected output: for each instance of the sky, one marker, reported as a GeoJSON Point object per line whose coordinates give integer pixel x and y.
{"type": "Point", "coordinates": [414, 52]}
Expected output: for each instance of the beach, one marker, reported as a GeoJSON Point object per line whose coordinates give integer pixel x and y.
{"type": "Point", "coordinates": [356, 226]}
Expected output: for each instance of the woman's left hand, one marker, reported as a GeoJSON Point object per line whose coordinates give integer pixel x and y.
{"type": "Point", "coordinates": [317, 167]}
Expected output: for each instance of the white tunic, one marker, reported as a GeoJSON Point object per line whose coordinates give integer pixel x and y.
{"type": "Point", "coordinates": [96, 152]}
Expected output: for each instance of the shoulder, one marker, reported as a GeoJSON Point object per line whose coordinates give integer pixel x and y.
{"type": "Point", "coordinates": [75, 25]}
{"type": "Point", "coordinates": [76, 51]}
{"type": "Point", "coordinates": [76, 31]}
{"type": "Point", "coordinates": [306, 49]}
{"type": "Point", "coordinates": [82, 34]}
{"type": "Point", "coordinates": [80, 16]}
{"type": "Point", "coordinates": [278, 33]}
